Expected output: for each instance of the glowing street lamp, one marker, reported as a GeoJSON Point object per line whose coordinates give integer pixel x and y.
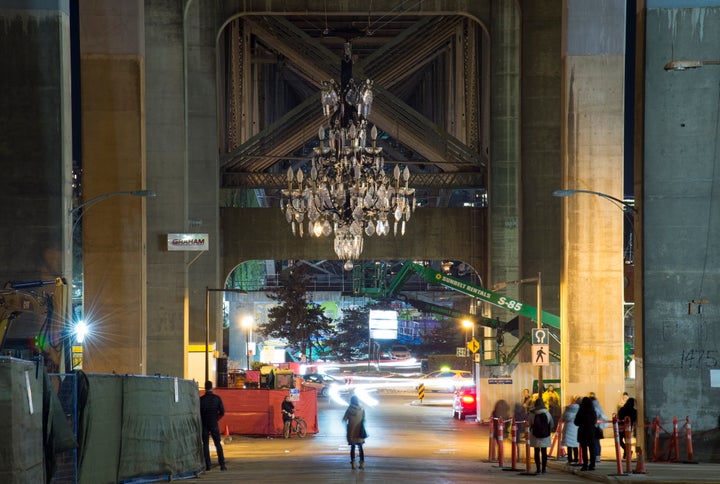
{"type": "Point", "coordinates": [247, 324]}
{"type": "Point", "coordinates": [75, 214]}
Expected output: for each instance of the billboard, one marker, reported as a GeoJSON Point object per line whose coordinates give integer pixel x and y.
{"type": "Point", "coordinates": [383, 324]}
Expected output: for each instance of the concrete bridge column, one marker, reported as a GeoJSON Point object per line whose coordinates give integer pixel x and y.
{"type": "Point", "coordinates": [591, 288]}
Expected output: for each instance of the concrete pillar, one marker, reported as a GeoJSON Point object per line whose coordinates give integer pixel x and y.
{"type": "Point", "coordinates": [591, 291]}
{"type": "Point", "coordinates": [113, 150]}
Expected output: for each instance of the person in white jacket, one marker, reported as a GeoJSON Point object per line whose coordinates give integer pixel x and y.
{"type": "Point", "coordinates": [540, 422]}
{"type": "Point", "coordinates": [570, 430]}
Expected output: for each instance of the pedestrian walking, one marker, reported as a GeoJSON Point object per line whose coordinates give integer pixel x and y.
{"type": "Point", "coordinates": [586, 419]}
{"type": "Point", "coordinates": [211, 411]}
{"type": "Point", "coordinates": [540, 424]}
{"type": "Point", "coordinates": [570, 430]}
{"type": "Point", "coordinates": [627, 410]}
{"type": "Point", "coordinates": [356, 433]}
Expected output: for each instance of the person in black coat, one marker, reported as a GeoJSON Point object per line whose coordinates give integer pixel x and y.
{"type": "Point", "coordinates": [585, 421]}
{"type": "Point", "coordinates": [627, 410]}
{"type": "Point", "coordinates": [211, 410]}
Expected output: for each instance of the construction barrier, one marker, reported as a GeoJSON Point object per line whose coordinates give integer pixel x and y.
{"type": "Point", "coordinates": [627, 451]}
{"type": "Point", "coordinates": [421, 392]}
{"type": "Point", "coordinates": [688, 439]}
{"type": "Point", "coordinates": [527, 453]}
{"type": "Point", "coordinates": [616, 438]}
{"type": "Point", "coordinates": [491, 448]}
{"type": "Point", "coordinates": [672, 449]}
{"type": "Point", "coordinates": [557, 441]}
{"type": "Point", "coordinates": [501, 446]}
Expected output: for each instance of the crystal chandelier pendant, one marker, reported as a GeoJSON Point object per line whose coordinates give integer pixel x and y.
{"type": "Point", "coordinates": [347, 192]}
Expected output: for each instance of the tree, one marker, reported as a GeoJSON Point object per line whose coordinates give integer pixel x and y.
{"type": "Point", "coordinates": [295, 319]}
{"type": "Point", "coordinates": [351, 333]}
{"type": "Point", "coordinates": [441, 339]}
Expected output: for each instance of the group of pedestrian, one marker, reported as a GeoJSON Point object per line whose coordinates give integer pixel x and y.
{"type": "Point", "coordinates": [583, 426]}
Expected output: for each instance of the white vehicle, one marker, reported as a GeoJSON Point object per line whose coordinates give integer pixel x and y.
{"type": "Point", "coordinates": [446, 380]}
{"type": "Point", "coordinates": [399, 352]}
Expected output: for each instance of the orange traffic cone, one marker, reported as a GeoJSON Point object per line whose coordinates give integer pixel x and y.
{"type": "Point", "coordinates": [640, 465]}
{"type": "Point", "coordinates": [227, 431]}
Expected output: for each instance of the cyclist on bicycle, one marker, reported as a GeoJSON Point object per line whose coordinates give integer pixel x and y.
{"type": "Point", "coordinates": [288, 414]}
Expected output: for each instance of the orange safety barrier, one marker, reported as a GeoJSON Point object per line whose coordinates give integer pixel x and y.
{"type": "Point", "coordinates": [557, 441]}
{"type": "Point", "coordinates": [628, 444]}
{"type": "Point", "coordinates": [513, 448]}
{"type": "Point", "coordinates": [616, 438]}
{"type": "Point", "coordinates": [527, 452]}
{"type": "Point", "coordinates": [501, 431]}
{"type": "Point", "coordinates": [491, 449]}
{"type": "Point", "coordinates": [688, 439]}
{"type": "Point", "coordinates": [672, 450]}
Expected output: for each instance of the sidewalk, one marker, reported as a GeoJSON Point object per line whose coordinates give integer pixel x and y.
{"type": "Point", "coordinates": [655, 472]}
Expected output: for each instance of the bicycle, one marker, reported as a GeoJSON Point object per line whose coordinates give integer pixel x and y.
{"type": "Point", "coordinates": [297, 425]}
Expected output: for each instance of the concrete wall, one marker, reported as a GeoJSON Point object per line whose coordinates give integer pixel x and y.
{"type": "Point", "coordinates": [35, 148]}
{"type": "Point", "coordinates": [681, 213]}
{"type": "Point", "coordinates": [112, 77]}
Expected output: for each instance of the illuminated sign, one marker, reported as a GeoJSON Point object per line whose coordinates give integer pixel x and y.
{"type": "Point", "coordinates": [383, 324]}
{"type": "Point", "coordinates": [187, 242]}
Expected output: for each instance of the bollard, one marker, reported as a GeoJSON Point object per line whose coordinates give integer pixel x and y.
{"type": "Point", "coordinates": [688, 439]}
{"type": "Point", "coordinates": [557, 440]}
{"type": "Point", "coordinates": [676, 443]}
{"type": "Point", "coordinates": [513, 448]}
{"type": "Point", "coordinates": [527, 451]}
{"type": "Point", "coordinates": [616, 438]}
{"type": "Point", "coordinates": [656, 443]}
{"type": "Point", "coordinates": [491, 449]}
{"type": "Point", "coordinates": [628, 445]}
{"type": "Point", "coordinates": [501, 431]}
{"type": "Point", "coordinates": [558, 432]}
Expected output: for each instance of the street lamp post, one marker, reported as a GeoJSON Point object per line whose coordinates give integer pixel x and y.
{"type": "Point", "coordinates": [627, 209]}
{"type": "Point", "coordinates": [207, 324]}
{"type": "Point", "coordinates": [75, 214]}
{"type": "Point", "coordinates": [468, 325]}
{"type": "Point", "coordinates": [247, 324]}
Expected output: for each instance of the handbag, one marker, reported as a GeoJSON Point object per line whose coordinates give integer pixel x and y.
{"type": "Point", "coordinates": [599, 433]}
{"type": "Point", "coordinates": [363, 433]}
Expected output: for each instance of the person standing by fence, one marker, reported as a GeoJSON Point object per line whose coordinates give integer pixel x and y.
{"type": "Point", "coordinates": [570, 430]}
{"type": "Point", "coordinates": [586, 419]}
{"type": "Point", "coordinates": [211, 410]}
{"type": "Point", "coordinates": [540, 424]}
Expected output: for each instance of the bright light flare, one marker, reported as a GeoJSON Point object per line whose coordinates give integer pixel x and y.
{"type": "Point", "coordinates": [81, 330]}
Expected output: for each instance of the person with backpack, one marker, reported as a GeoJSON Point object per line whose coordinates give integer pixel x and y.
{"type": "Point", "coordinates": [540, 424]}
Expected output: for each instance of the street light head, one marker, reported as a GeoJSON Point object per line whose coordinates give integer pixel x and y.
{"type": "Point", "coordinates": [563, 193]}
{"type": "Point", "coordinates": [143, 193]}
{"type": "Point", "coordinates": [681, 65]}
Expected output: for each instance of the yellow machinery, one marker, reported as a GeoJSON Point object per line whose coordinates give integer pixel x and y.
{"type": "Point", "coordinates": [33, 316]}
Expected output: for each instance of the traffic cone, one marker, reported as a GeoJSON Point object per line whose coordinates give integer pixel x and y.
{"type": "Point", "coordinates": [640, 465]}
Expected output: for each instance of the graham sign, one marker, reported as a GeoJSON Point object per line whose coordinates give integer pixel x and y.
{"type": "Point", "coordinates": [187, 242]}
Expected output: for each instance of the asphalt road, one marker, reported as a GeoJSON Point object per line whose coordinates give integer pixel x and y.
{"type": "Point", "coordinates": [408, 442]}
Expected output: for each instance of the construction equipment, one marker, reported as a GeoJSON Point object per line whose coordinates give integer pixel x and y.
{"type": "Point", "coordinates": [32, 316]}
{"type": "Point", "coordinates": [371, 280]}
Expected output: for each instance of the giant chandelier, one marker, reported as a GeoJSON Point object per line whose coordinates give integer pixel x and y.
{"type": "Point", "coordinates": [347, 191]}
